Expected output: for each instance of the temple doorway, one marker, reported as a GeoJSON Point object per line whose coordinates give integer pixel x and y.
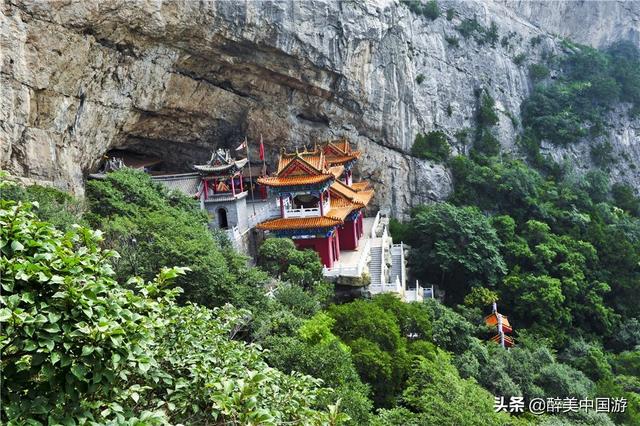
{"type": "Point", "coordinates": [222, 219]}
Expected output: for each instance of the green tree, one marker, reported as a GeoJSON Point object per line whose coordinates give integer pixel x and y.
{"type": "Point", "coordinates": [377, 346]}
{"type": "Point", "coordinates": [79, 347]}
{"type": "Point", "coordinates": [454, 247]}
{"type": "Point", "coordinates": [486, 115]}
{"type": "Point", "coordinates": [432, 146]}
{"type": "Point", "coordinates": [153, 228]}
{"type": "Point", "coordinates": [280, 258]}
{"type": "Point", "coordinates": [625, 197]}
{"type": "Point", "coordinates": [54, 206]}
{"type": "Point", "coordinates": [440, 396]}
{"type": "Point", "coordinates": [316, 351]}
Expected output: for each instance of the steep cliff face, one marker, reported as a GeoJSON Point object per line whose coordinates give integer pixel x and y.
{"type": "Point", "coordinates": [177, 79]}
{"type": "Point", "coordinates": [595, 23]}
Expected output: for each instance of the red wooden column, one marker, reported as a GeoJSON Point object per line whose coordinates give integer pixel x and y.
{"type": "Point", "coordinates": [206, 188]}
{"type": "Point", "coordinates": [233, 185]}
{"type": "Point", "coordinates": [281, 207]}
{"type": "Point", "coordinates": [241, 184]}
{"type": "Point", "coordinates": [325, 250]}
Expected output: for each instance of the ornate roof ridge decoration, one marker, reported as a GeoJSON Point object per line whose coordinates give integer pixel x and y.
{"type": "Point", "coordinates": [221, 161]}
{"type": "Point", "coordinates": [339, 151]}
{"type": "Point", "coordinates": [315, 159]}
{"type": "Point", "coordinates": [312, 168]}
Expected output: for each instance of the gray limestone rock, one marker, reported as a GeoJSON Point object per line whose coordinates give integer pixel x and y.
{"type": "Point", "coordinates": [177, 79]}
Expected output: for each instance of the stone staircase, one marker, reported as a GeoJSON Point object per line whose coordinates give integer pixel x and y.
{"type": "Point", "coordinates": [397, 260]}
{"type": "Point", "coordinates": [375, 265]}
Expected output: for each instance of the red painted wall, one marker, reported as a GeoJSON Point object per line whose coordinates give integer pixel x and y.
{"type": "Point", "coordinates": [349, 235]}
{"type": "Point", "coordinates": [322, 246]}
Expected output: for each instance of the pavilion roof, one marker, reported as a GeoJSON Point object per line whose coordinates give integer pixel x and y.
{"type": "Point", "coordinates": [314, 159]}
{"type": "Point", "coordinates": [361, 198]}
{"type": "Point", "coordinates": [336, 171]}
{"type": "Point", "coordinates": [299, 223]}
{"type": "Point", "coordinates": [221, 162]}
{"type": "Point", "coordinates": [277, 181]}
{"type": "Point", "coordinates": [339, 209]}
{"type": "Point", "coordinates": [360, 186]}
{"type": "Point", "coordinates": [339, 152]}
{"type": "Point", "coordinates": [492, 320]}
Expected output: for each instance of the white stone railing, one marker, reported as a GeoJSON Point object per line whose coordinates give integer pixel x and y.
{"type": "Point", "coordinates": [415, 295]}
{"type": "Point", "coordinates": [374, 227]}
{"type": "Point", "coordinates": [398, 249]}
{"type": "Point", "coordinates": [212, 196]}
{"type": "Point", "coordinates": [394, 287]}
{"type": "Point", "coordinates": [383, 263]}
{"type": "Point", "coordinates": [234, 236]}
{"type": "Point", "coordinates": [351, 271]}
{"type": "Point", "coordinates": [306, 212]}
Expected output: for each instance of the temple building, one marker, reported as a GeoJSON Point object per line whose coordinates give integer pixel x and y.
{"type": "Point", "coordinates": [311, 197]}
{"type": "Point", "coordinates": [339, 153]}
{"type": "Point", "coordinates": [319, 209]}
{"type": "Point", "coordinates": [221, 191]}
{"type": "Point", "coordinates": [220, 187]}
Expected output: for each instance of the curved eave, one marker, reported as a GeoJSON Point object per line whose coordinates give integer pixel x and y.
{"type": "Point", "coordinates": [281, 224]}
{"type": "Point", "coordinates": [274, 181]}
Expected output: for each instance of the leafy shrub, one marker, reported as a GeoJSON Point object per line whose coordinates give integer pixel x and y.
{"type": "Point", "coordinates": [572, 106]}
{"type": "Point", "coordinates": [429, 9]}
{"type": "Point", "coordinates": [625, 197]}
{"type": "Point", "coordinates": [398, 230]}
{"type": "Point", "coordinates": [602, 154]}
{"type": "Point", "coordinates": [451, 13]}
{"type": "Point", "coordinates": [487, 144]}
{"type": "Point", "coordinates": [487, 115]}
{"type": "Point", "coordinates": [452, 41]}
{"type": "Point", "coordinates": [78, 347]}
{"type": "Point", "coordinates": [536, 40]}
{"type": "Point", "coordinates": [468, 27]}
{"type": "Point", "coordinates": [538, 72]}
{"type": "Point", "coordinates": [472, 28]}
{"type": "Point", "coordinates": [54, 206]}
{"type": "Point", "coordinates": [491, 34]}
{"type": "Point", "coordinates": [419, 78]}
{"type": "Point", "coordinates": [432, 146]}
{"type": "Point", "coordinates": [519, 58]}
{"type": "Point", "coordinates": [280, 258]}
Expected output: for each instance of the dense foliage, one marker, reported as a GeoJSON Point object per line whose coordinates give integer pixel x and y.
{"type": "Point", "coordinates": [153, 228]}
{"type": "Point", "coordinates": [429, 9]}
{"type": "Point", "coordinates": [559, 251]}
{"type": "Point", "coordinates": [431, 146]}
{"type": "Point", "coordinates": [573, 105]}
{"type": "Point", "coordinates": [78, 346]}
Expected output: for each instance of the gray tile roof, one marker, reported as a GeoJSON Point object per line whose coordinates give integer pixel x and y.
{"type": "Point", "coordinates": [187, 183]}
